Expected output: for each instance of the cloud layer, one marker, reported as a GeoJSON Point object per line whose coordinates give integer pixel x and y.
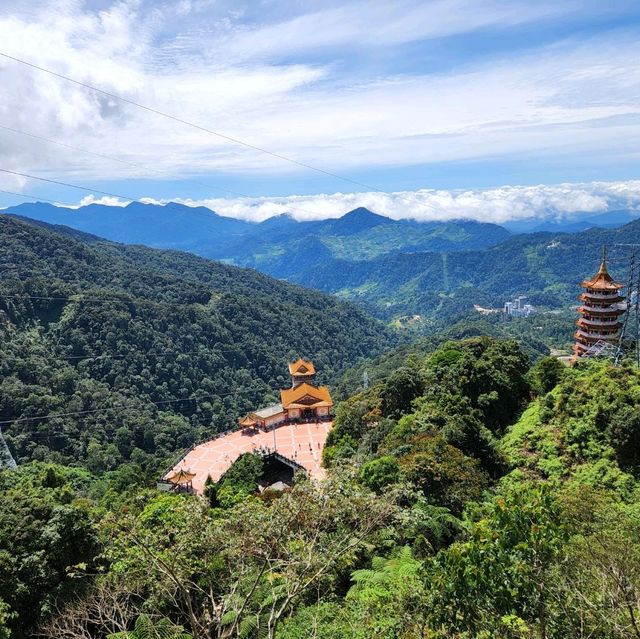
{"type": "Point", "coordinates": [500, 205]}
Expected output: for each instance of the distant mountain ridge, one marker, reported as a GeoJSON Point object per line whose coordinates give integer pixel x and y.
{"type": "Point", "coordinates": [573, 223]}
{"type": "Point", "coordinates": [546, 266]}
{"type": "Point", "coordinates": [272, 246]}
{"type": "Point", "coordinates": [395, 268]}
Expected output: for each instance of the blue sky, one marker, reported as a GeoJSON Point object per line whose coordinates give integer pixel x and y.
{"type": "Point", "coordinates": [429, 98]}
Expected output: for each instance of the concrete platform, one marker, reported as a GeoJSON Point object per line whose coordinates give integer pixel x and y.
{"type": "Point", "coordinates": [302, 443]}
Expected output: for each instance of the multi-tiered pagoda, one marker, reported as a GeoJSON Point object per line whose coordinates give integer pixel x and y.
{"type": "Point", "coordinates": [600, 311]}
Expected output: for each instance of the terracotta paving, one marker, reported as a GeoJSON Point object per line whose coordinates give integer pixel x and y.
{"type": "Point", "coordinates": [303, 443]}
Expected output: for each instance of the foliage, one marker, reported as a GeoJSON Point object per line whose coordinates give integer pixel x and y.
{"type": "Point", "coordinates": [238, 482]}
{"type": "Point", "coordinates": [48, 541]}
{"type": "Point", "coordinates": [546, 374]}
{"type": "Point", "coordinates": [468, 495]}
{"type": "Point", "coordinates": [380, 472]}
{"type": "Point", "coordinates": [147, 628]}
{"type": "Point", "coordinates": [600, 584]}
{"type": "Point", "coordinates": [442, 472]}
{"type": "Point", "coordinates": [104, 329]}
{"type": "Point", "coordinates": [245, 566]}
{"type": "Point", "coordinates": [503, 573]}
{"type": "Point", "coordinates": [582, 431]}
{"type": "Point", "coordinates": [547, 267]}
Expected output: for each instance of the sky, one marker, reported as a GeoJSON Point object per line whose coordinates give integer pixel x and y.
{"type": "Point", "coordinates": [432, 109]}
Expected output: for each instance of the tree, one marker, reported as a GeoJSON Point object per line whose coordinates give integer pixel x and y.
{"type": "Point", "coordinates": [380, 472]}
{"type": "Point", "coordinates": [47, 540]}
{"type": "Point", "coordinates": [624, 433]}
{"type": "Point", "coordinates": [146, 628]}
{"type": "Point", "coordinates": [600, 581]}
{"type": "Point", "coordinates": [399, 390]}
{"type": "Point", "coordinates": [501, 580]}
{"type": "Point", "coordinates": [5, 616]}
{"type": "Point", "coordinates": [546, 373]}
{"type": "Point", "coordinates": [244, 568]}
{"type": "Point", "coordinates": [444, 474]}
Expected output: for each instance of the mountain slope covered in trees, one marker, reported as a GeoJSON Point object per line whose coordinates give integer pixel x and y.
{"type": "Point", "coordinates": [279, 246]}
{"type": "Point", "coordinates": [546, 266]}
{"type": "Point", "coordinates": [104, 330]}
{"type": "Point", "coordinates": [469, 494]}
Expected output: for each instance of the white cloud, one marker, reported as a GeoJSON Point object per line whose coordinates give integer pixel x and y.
{"type": "Point", "coordinates": [105, 200]}
{"type": "Point", "coordinates": [358, 24]}
{"type": "Point", "coordinates": [216, 66]}
{"type": "Point", "coordinates": [496, 205]}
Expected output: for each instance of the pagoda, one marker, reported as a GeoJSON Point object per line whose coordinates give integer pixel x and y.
{"type": "Point", "coordinates": [303, 402]}
{"type": "Point", "coordinates": [600, 311]}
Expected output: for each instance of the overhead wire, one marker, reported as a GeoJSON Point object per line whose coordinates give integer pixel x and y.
{"type": "Point", "coordinates": [69, 185]}
{"type": "Point", "coordinates": [26, 196]}
{"type": "Point", "coordinates": [143, 167]}
{"type": "Point", "coordinates": [174, 352]}
{"type": "Point", "coordinates": [126, 197]}
{"type": "Point", "coordinates": [188, 123]}
{"type": "Point", "coordinates": [117, 408]}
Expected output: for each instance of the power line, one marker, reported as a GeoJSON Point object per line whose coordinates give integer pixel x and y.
{"type": "Point", "coordinates": [126, 162]}
{"type": "Point", "coordinates": [199, 127]}
{"type": "Point", "coordinates": [175, 352]}
{"type": "Point", "coordinates": [28, 197]}
{"type": "Point", "coordinates": [112, 409]}
{"type": "Point", "coordinates": [68, 184]}
{"type": "Point", "coordinates": [74, 299]}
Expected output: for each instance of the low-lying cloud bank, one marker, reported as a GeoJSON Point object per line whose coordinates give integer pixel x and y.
{"type": "Point", "coordinates": [498, 205]}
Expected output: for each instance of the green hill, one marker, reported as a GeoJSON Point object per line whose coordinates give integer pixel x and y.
{"type": "Point", "coordinates": [279, 246]}
{"type": "Point", "coordinates": [545, 266]}
{"type": "Point", "coordinates": [105, 329]}
{"type": "Point", "coordinates": [468, 495]}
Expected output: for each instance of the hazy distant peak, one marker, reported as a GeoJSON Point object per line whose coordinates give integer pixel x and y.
{"type": "Point", "coordinates": [360, 219]}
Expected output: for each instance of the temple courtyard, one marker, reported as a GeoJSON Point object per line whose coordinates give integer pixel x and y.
{"type": "Point", "coordinates": [302, 443]}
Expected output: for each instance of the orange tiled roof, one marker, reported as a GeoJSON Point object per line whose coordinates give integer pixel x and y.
{"type": "Point", "coordinates": [247, 421]}
{"type": "Point", "coordinates": [181, 476]}
{"type": "Point", "coordinates": [302, 367]}
{"type": "Point", "coordinates": [305, 396]}
{"type": "Point", "coordinates": [602, 280]}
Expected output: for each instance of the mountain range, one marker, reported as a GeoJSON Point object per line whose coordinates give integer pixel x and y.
{"type": "Point", "coordinates": [273, 246]}
{"type": "Point", "coordinates": [575, 222]}
{"type": "Point", "coordinates": [110, 325]}
{"type": "Point", "coordinates": [437, 270]}
{"type": "Point", "coordinates": [547, 267]}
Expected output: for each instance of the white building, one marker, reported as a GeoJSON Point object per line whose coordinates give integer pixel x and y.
{"type": "Point", "coordinates": [519, 307]}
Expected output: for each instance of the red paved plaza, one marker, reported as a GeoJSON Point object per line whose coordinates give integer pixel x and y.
{"type": "Point", "coordinates": [303, 443]}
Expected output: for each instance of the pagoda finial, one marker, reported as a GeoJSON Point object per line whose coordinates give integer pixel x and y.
{"type": "Point", "coordinates": [603, 265]}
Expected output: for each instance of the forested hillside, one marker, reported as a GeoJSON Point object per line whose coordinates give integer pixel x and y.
{"type": "Point", "coordinates": [394, 269]}
{"type": "Point", "coordinates": [280, 246]}
{"type": "Point", "coordinates": [105, 330]}
{"type": "Point", "coordinates": [469, 495]}
{"type": "Point", "coordinates": [546, 266]}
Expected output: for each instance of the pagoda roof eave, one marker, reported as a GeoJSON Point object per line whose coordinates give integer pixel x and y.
{"type": "Point", "coordinates": [585, 296]}
{"type": "Point", "coordinates": [302, 368]}
{"type": "Point", "coordinates": [594, 310]}
{"type": "Point", "coordinates": [291, 397]}
{"type": "Point", "coordinates": [316, 405]}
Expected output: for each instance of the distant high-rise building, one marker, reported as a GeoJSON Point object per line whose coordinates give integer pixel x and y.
{"type": "Point", "coordinates": [600, 311]}
{"type": "Point", "coordinates": [519, 307]}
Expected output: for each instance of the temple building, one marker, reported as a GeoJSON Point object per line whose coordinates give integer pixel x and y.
{"type": "Point", "coordinates": [600, 311]}
{"type": "Point", "coordinates": [303, 402]}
